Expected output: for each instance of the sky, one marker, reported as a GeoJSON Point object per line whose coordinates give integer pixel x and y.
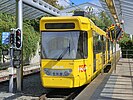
{"type": "Point", "coordinates": [77, 2]}
{"type": "Point", "coordinates": [83, 1]}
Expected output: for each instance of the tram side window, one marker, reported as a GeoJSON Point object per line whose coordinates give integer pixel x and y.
{"type": "Point", "coordinates": [97, 43]}
{"type": "Point", "coordinates": [108, 45]}
{"type": "Point", "coordinates": [104, 44]}
{"type": "Point", "coordinates": [85, 44]}
{"type": "Point", "coordinates": [82, 51]}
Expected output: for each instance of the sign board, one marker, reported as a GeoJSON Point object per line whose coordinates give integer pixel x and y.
{"type": "Point", "coordinates": [5, 37]}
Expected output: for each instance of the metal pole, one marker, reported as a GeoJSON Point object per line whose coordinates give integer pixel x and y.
{"type": "Point", "coordinates": [11, 72]}
{"type": "Point", "coordinates": [102, 55]}
{"type": "Point", "coordinates": [19, 17]}
{"type": "Point", "coordinates": [112, 62]}
{"type": "Point", "coordinates": [102, 64]}
{"type": "Point", "coordinates": [115, 56]}
{"type": "Point", "coordinates": [115, 52]}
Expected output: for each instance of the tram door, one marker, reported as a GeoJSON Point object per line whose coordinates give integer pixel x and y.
{"type": "Point", "coordinates": [94, 50]}
{"type": "Point", "coordinates": [97, 49]}
{"type": "Point", "coordinates": [94, 61]}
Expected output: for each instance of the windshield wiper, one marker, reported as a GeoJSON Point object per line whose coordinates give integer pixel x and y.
{"type": "Point", "coordinates": [64, 52]}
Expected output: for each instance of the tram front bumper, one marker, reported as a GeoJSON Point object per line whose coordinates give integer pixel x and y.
{"type": "Point", "coordinates": [58, 82]}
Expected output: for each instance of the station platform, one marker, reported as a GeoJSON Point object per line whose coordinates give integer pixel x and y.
{"type": "Point", "coordinates": [116, 85]}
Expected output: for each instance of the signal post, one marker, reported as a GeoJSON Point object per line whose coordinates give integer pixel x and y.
{"type": "Point", "coordinates": [114, 33]}
{"type": "Point", "coordinates": [15, 56]}
{"type": "Point", "coordinates": [11, 69]}
{"type": "Point", "coordinates": [19, 23]}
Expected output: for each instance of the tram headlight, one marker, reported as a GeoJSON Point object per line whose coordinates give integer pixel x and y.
{"type": "Point", "coordinates": [67, 72]}
{"type": "Point", "coordinates": [57, 72]}
{"type": "Point", "coordinates": [47, 71]}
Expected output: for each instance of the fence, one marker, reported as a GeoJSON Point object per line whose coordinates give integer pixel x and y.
{"type": "Point", "coordinates": [127, 53]}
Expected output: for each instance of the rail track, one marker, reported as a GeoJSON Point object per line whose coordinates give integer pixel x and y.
{"type": "Point", "coordinates": [62, 94]}
{"type": "Point", "coordinates": [66, 94]}
{"type": "Point", "coordinates": [51, 94]}
{"type": "Point", "coordinates": [27, 70]}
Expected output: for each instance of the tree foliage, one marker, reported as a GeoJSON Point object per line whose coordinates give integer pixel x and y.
{"type": "Point", "coordinates": [6, 23]}
{"type": "Point", "coordinates": [54, 3]}
{"type": "Point", "coordinates": [126, 42]}
{"type": "Point", "coordinates": [126, 45]}
{"type": "Point", "coordinates": [30, 38]}
{"type": "Point", "coordinates": [51, 2]}
{"type": "Point", "coordinates": [30, 34]}
{"type": "Point", "coordinates": [100, 19]}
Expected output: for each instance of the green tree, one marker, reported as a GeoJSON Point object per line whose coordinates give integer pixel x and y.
{"type": "Point", "coordinates": [51, 2]}
{"type": "Point", "coordinates": [106, 20]}
{"type": "Point", "coordinates": [30, 34]}
{"type": "Point", "coordinates": [100, 19]}
{"type": "Point", "coordinates": [126, 42]}
{"type": "Point", "coordinates": [6, 23]}
{"type": "Point", "coordinates": [30, 38]}
{"type": "Point", "coordinates": [126, 45]}
{"type": "Point", "coordinates": [54, 3]}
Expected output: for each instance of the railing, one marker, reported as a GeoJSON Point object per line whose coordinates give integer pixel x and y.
{"type": "Point", "coordinates": [114, 59]}
{"type": "Point", "coordinates": [117, 57]}
{"type": "Point", "coordinates": [127, 53]}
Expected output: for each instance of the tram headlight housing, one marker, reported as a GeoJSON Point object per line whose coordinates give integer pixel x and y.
{"type": "Point", "coordinates": [57, 72]}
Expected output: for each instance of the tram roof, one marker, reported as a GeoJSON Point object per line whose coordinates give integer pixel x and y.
{"type": "Point", "coordinates": [82, 20]}
{"type": "Point", "coordinates": [31, 8]}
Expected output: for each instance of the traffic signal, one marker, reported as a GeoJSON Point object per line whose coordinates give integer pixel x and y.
{"type": "Point", "coordinates": [12, 38]}
{"type": "Point", "coordinates": [18, 41]}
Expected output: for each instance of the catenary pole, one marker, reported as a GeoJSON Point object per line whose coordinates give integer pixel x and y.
{"type": "Point", "coordinates": [19, 20]}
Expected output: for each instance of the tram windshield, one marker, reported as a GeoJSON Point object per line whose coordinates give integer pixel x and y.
{"type": "Point", "coordinates": [64, 45]}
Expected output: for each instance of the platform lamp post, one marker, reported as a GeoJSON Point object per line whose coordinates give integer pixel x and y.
{"type": "Point", "coordinates": [115, 51]}
{"type": "Point", "coordinates": [19, 23]}
{"type": "Point", "coordinates": [110, 34]}
{"type": "Point", "coordinates": [117, 32]}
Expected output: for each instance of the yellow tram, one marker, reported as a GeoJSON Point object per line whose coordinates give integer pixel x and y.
{"type": "Point", "coordinates": [71, 50]}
